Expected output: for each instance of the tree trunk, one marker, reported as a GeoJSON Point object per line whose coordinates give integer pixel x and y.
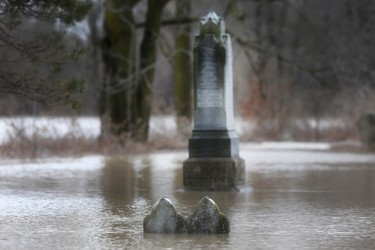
{"type": "Point", "coordinates": [142, 96]}
{"type": "Point", "coordinates": [119, 60]}
{"type": "Point", "coordinates": [182, 70]}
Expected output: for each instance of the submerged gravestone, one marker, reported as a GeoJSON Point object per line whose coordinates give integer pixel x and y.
{"type": "Point", "coordinates": [207, 219]}
{"type": "Point", "coordinates": [366, 126]}
{"type": "Point", "coordinates": [163, 218]}
{"type": "Point", "coordinates": [214, 162]}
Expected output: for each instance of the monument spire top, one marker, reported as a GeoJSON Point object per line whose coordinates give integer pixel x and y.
{"type": "Point", "coordinates": [211, 16]}
{"type": "Point", "coordinates": [212, 23]}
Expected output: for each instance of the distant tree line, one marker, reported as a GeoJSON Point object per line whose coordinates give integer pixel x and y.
{"type": "Point", "coordinates": [293, 59]}
{"type": "Point", "coordinates": [309, 59]}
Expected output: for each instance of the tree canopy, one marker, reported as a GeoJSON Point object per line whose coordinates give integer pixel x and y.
{"type": "Point", "coordinates": [31, 49]}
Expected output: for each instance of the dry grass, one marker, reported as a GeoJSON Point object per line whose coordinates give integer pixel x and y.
{"type": "Point", "coordinates": [302, 130]}
{"type": "Point", "coordinates": [25, 142]}
{"type": "Point", "coordinates": [22, 144]}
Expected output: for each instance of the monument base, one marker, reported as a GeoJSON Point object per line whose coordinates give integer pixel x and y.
{"type": "Point", "coordinates": [213, 143]}
{"type": "Point", "coordinates": [214, 174]}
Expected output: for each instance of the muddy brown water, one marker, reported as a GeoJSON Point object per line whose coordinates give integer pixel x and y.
{"type": "Point", "coordinates": [294, 199]}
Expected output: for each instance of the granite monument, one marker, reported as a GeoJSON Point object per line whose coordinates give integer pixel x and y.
{"type": "Point", "coordinates": [214, 162]}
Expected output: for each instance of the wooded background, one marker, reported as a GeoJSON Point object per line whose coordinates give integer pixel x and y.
{"type": "Point", "coordinates": [297, 64]}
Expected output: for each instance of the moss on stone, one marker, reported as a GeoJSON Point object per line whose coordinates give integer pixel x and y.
{"type": "Point", "coordinates": [207, 219]}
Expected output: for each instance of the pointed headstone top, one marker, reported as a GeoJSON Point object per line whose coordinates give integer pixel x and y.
{"type": "Point", "coordinates": [210, 17]}
{"type": "Point", "coordinates": [206, 205]}
{"type": "Point", "coordinates": [163, 218]}
{"type": "Point", "coordinates": [163, 202]}
{"type": "Point", "coordinates": [207, 218]}
{"type": "Point", "coordinates": [212, 23]}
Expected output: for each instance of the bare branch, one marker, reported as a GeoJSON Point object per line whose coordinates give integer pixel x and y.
{"type": "Point", "coordinates": [171, 22]}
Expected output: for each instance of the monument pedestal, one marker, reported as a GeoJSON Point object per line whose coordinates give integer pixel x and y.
{"type": "Point", "coordinates": [214, 174]}
{"type": "Point", "coordinates": [214, 143]}
{"type": "Point", "coordinates": [214, 164]}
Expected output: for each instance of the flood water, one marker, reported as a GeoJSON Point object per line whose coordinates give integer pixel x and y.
{"type": "Point", "coordinates": [296, 198]}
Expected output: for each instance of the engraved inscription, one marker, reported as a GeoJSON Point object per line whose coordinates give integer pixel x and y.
{"type": "Point", "coordinates": [210, 90]}
{"type": "Point", "coordinates": [209, 98]}
{"type": "Point", "coordinates": [208, 75]}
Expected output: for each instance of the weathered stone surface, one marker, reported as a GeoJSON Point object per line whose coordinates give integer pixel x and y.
{"type": "Point", "coordinates": [213, 79]}
{"type": "Point", "coordinates": [366, 125]}
{"type": "Point", "coordinates": [214, 174]}
{"type": "Point", "coordinates": [214, 162]}
{"type": "Point", "coordinates": [207, 219]}
{"type": "Point", "coordinates": [163, 218]}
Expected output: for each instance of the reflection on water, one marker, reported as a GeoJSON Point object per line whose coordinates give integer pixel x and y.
{"type": "Point", "coordinates": [295, 200]}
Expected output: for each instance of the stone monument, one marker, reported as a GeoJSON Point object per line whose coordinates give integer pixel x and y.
{"type": "Point", "coordinates": [163, 218]}
{"type": "Point", "coordinates": [205, 219]}
{"type": "Point", "coordinates": [214, 162]}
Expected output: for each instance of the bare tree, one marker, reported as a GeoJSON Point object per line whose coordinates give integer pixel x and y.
{"type": "Point", "coordinates": [129, 75]}
{"type": "Point", "coordinates": [309, 59]}
{"type": "Point", "coordinates": [183, 66]}
{"type": "Point", "coordinates": [32, 57]}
